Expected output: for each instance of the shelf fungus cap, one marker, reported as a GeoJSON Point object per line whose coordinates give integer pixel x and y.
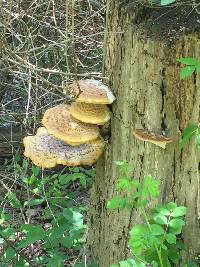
{"type": "Point", "coordinates": [92, 91]}
{"type": "Point", "coordinates": [60, 124]}
{"type": "Point", "coordinates": [159, 140]}
{"type": "Point", "coordinates": [90, 113]}
{"type": "Point", "coordinates": [47, 152]}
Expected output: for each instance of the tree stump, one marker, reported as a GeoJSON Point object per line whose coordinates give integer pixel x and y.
{"type": "Point", "coordinates": [142, 48]}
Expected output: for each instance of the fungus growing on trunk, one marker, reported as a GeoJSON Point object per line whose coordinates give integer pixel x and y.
{"type": "Point", "coordinates": [60, 124]}
{"type": "Point", "coordinates": [47, 152]}
{"type": "Point", "coordinates": [92, 91]}
{"type": "Point", "coordinates": [157, 139]}
{"type": "Point", "coordinates": [90, 113]}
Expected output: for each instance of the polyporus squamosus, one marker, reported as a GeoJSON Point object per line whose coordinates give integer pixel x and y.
{"type": "Point", "coordinates": [159, 140]}
{"type": "Point", "coordinates": [47, 152]}
{"type": "Point", "coordinates": [90, 91]}
{"type": "Point", "coordinates": [60, 124]}
{"type": "Point", "coordinates": [90, 113]}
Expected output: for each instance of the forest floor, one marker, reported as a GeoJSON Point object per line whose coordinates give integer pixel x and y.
{"type": "Point", "coordinates": [41, 44]}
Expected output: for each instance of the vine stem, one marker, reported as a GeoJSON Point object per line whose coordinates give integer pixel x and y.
{"type": "Point", "coordinates": [149, 226]}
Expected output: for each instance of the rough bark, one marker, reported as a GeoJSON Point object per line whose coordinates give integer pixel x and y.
{"type": "Point", "coordinates": [144, 73]}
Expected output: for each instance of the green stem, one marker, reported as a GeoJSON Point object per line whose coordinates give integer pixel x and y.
{"type": "Point", "coordinates": [149, 226]}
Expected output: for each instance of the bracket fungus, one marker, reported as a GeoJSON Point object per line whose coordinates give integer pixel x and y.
{"type": "Point", "coordinates": [157, 139]}
{"type": "Point", "coordinates": [90, 113]}
{"type": "Point", "coordinates": [47, 152]}
{"type": "Point", "coordinates": [60, 124]}
{"type": "Point", "coordinates": [71, 134]}
{"type": "Point", "coordinates": [92, 91]}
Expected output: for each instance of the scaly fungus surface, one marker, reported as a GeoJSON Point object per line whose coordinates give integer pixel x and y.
{"type": "Point", "coordinates": [92, 91]}
{"type": "Point", "coordinates": [61, 124]}
{"type": "Point", "coordinates": [47, 152]}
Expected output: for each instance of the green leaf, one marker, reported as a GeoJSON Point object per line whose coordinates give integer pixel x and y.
{"type": "Point", "coordinates": [75, 217]}
{"type": "Point", "coordinates": [34, 202]}
{"type": "Point", "coordinates": [124, 167]}
{"type": "Point", "coordinates": [13, 200]}
{"type": "Point", "coordinates": [117, 203]}
{"type": "Point", "coordinates": [160, 219]}
{"type": "Point", "coordinates": [186, 72]}
{"type": "Point", "coordinates": [152, 186]}
{"type": "Point", "coordinates": [171, 239]}
{"type": "Point", "coordinates": [197, 67]}
{"type": "Point", "coordinates": [179, 211]}
{"type": "Point", "coordinates": [9, 254]}
{"type": "Point", "coordinates": [174, 256]}
{"type": "Point", "coordinates": [167, 2]}
{"type": "Point", "coordinates": [171, 206]}
{"type": "Point", "coordinates": [56, 260]}
{"type": "Point", "coordinates": [131, 263]}
{"type": "Point", "coordinates": [188, 61]}
{"type": "Point", "coordinates": [33, 233]}
{"type": "Point", "coordinates": [187, 134]}
{"type": "Point", "coordinates": [176, 225]}
{"type": "Point", "coordinates": [157, 230]}
{"type": "Point", "coordinates": [162, 211]}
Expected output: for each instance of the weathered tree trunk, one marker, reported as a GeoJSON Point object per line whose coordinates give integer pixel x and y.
{"type": "Point", "coordinates": [10, 139]}
{"type": "Point", "coordinates": [143, 46]}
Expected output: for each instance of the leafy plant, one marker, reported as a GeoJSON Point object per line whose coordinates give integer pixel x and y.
{"type": "Point", "coordinates": [157, 240]}
{"type": "Point", "coordinates": [167, 2]}
{"type": "Point", "coordinates": [189, 132]}
{"type": "Point", "coordinates": [162, 2]}
{"type": "Point", "coordinates": [192, 65]}
{"type": "Point", "coordinates": [52, 194]}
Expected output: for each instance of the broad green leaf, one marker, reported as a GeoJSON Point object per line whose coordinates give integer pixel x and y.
{"type": "Point", "coordinates": [187, 134]}
{"type": "Point", "coordinates": [197, 67]}
{"type": "Point", "coordinates": [171, 239]}
{"type": "Point", "coordinates": [35, 170]}
{"type": "Point", "coordinates": [167, 2]}
{"type": "Point", "coordinates": [189, 61]}
{"type": "Point", "coordinates": [179, 211]}
{"type": "Point", "coordinates": [187, 72]}
{"type": "Point", "coordinates": [75, 217]}
{"type": "Point", "coordinates": [171, 206]}
{"type": "Point", "coordinates": [152, 186]}
{"type": "Point", "coordinates": [33, 233]}
{"type": "Point", "coordinates": [9, 254]}
{"type": "Point", "coordinates": [173, 255]}
{"type": "Point", "coordinates": [123, 183]}
{"type": "Point", "coordinates": [113, 265]}
{"type": "Point", "coordinates": [117, 203]}
{"type": "Point", "coordinates": [55, 261]}
{"type": "Point", "coordinates": [124, 167]}
{"type": "Point", "coordinates": [160, 219]}
{"type": "Point", "coordinates": [8, 232]}
{"type": "Point", "coordinates": [165, 260]}
{"type": "Point", "coordinates": [139, 230]}
{"type": "Point", "coordinates": [176, 225]}
{"type": "Point", "coordinates": [162, 210]}
{"type": "Point", "coordinates": [13, 200]}
{"type": "Point", "coordinates": [157, 230]}
{"type": "Point", "coordinates": [131, 263]}
{"type": "Point", "coordinates": [34, 202]}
